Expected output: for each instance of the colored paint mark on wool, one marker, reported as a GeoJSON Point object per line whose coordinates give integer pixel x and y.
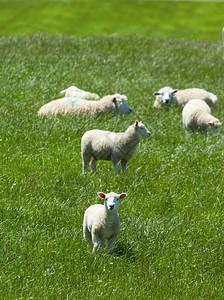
{"type": "Point", "coordinates": [73, 101]}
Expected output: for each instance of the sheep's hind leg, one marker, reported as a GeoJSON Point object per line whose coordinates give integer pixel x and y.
{"type": "Point", "coordinates": [111, 243]}
{"type": "Point", "coordinates": [87, 237]}
{"type": "Point", "coordinates": [124, 165]}
{"type": "Point", "coordinates": [85, 162]}
{"type": "Point", "coordinates": [93, 163]}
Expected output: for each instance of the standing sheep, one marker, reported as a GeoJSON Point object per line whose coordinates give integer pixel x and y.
{"type": "Point", "coordinates": [109, 104]}
{"type": "Point", "coordinates": [167, 95]}
{"type": "Point", "coordinates": [117, 147]}
{"type": "Point", "coordinates": [73, 91]}
{"type": "Point", "coordinates": [197, 117]}
{"type": "Point", "coordinates": [101, 223]}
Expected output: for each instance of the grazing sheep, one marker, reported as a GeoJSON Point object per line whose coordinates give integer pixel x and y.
{"type": "Point", "coordinates": [73, 91]}
{"type": "Point", "coordinates": [101, 223]}
{"type": "Point", "coordinates": [197, 117]}
{"type": "Point", "coordinates": [167, 95]}
{"type": "Point", "coordinates": [109, 104]}
{"type": "Point", "coordinates": [117, 147]}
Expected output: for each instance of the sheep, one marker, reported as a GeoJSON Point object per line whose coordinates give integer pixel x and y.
{"type": "Point", "coordinates": [117, 147]}
{"type": "Point", "coordinates": [197, 117]}
{"type": "Point", "coordinates": [167, 95]}
{"type": "Point", "coordinates": [75, 106]}
{"type": "Point", "coordinates": [73, 91]}
{"type": "Point", "coordinates": [101, 223]}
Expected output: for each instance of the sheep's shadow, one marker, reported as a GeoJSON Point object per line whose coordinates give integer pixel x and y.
{"type": "Point", "coordinates": [124, 250]}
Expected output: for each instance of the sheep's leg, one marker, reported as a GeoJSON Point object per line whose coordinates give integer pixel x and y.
{"type": "Point", "coordinates": [111, 243]}
{"type": "Point", "coordinates": [85, 162]}
{"type": "Point", "coordinates": [87, 237]}
{"type": "Point", "coordinates": [93, 163]}
{"type": "Point", "coordinates": [96, 243]}
{"type": "Point", "coordinates": [116, 164]}
{"type": "Point", "coordinates": [124, 166]}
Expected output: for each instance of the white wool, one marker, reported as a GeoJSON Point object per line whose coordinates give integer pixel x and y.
{"type": "Point", "coordinates": [117, 147]}
{"type": "Point", "coordinates": [101, 223]}
{"type": "Point", "coordinates": [73, 91]}
{"type": "Point", "coordinates": [197, 117]}
{"type": "Point", "coordinates": [167, 95]}
{"type": "Point", "coordinates": [115, 104]}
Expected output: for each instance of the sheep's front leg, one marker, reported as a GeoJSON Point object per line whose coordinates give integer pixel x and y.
{"type": "Point", "coordinates": [96, 243]}
{"type": "Point", "coordinates": [116, 164]}
{"type": "Point", "coordinates": [124, 165]}
{"type": "Point", "coordinates": [111, 243]}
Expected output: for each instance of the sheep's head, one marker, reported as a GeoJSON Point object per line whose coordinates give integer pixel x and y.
{"type": "Point", "coordinates": [214, 126]}
{"type": "Point", "coordinates": [141, 130]}
{"type": "Point", "coordinates": [121, 104]}
{"type": "Point", "coordinates": [112, 200]}
{"type": "Point", "coordinates": [165, 95]}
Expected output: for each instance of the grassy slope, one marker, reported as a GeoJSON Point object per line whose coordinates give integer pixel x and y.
{"type": "Point", "coordinates": [171, 239]}
{"type": "Point", "coordinates": [198, 20]}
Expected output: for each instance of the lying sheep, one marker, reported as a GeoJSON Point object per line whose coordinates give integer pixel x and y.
{"type": "Point", "coordinates": [101, 223]}
{"type": "Point", "coordinates": [117, 147]}
{"type": "Point", "coordinates": [167, 95]}
{"type": "Point", "coordinates": [75, 106]}
{"type": "Point", "coordinates": [197, 117]}
{"type": "Point", "coordinates": [73, 91]}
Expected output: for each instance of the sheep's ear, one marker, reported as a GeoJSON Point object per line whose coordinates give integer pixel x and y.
{"type": "Point", "coordinates": [114, 100]}
{"type": "Point", "coordinates": [102, 195]}
{"type": "Point", "coordinates": [136, 123]}
{"type": "Point", "coordinates": [156, 93]}
{"type": "Point", "coordinates": [122, 196]}
{"type": "Point", "coordinates": [174, 91]}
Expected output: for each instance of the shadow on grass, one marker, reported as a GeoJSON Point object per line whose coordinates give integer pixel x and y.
{"type": "Point", "coordinates": [125, 250]}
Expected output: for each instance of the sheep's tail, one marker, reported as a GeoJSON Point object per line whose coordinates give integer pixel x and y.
{"type": "Point", "coordinates": [213, 98]}
{"type": "Point", "coordinates": [63, 92]}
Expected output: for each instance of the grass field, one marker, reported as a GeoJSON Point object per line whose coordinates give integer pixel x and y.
{"type": "Point", "coordinates": [171, 240]}
{"type": "Point", "coordinates": [172, 228]}
{"type": "Point", "coordinates": [201, 20]}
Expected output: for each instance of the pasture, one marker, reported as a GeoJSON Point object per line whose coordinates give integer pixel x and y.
{"type": "Point", "coordinates": [201, 20]}
{"type": "Point", "coordinates": [171, 239]}
{"type": "Point", "coordinates": [172, 223]}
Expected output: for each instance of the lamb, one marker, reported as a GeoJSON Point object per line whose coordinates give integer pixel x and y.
{"type": "Point", "coordinates": [101, 223]}
{"type": "Point", "coordinates": [197, 117]}
{"type": "Point", "coordinates": [167, 95]}
{"type": "Point", "coordinates": [117, 147]}
{"type": "Point", "coordinates": [73, 91]}
{"type": "Point", "coordinates": [76, 106]}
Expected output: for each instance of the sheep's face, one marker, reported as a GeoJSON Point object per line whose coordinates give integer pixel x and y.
{"type": "Point", "coordinates": [166, 95]}
{"type": "Point", "coordinates": [214, 126]}
{"type": "Point", "coordinates": [142, 130]}
{"type": "Point", "coordinates": [112, 200]}
{"type": "Point", "coordinates": [122, 106]}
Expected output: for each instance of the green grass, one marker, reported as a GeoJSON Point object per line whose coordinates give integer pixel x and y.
{"type": "Point", "coordinates": [176, 19]}
{"type": "Point", "coordinates": [171, 240]}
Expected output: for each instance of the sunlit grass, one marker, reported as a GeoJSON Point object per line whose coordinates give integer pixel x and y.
{"type": "Point", "coordinates": [176, 19]}
{"type": "Point", "coordinates": [171, 240]}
